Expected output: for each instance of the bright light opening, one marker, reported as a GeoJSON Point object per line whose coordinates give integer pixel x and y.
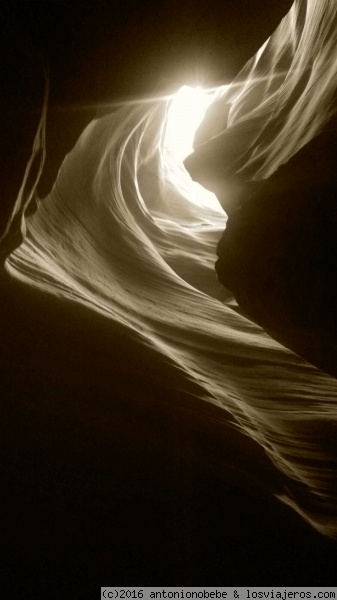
{"type": "Point", "coordinates": [185, 114]}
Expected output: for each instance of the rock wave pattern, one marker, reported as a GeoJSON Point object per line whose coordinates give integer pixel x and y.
{"type": "Point", "coordinates": [126, 232]}
{"type": "Point", "coordinates": [279, 102]}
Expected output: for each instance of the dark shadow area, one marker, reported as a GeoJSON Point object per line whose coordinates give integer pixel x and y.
{"type": "Point", "coordinates": [287, 281]}
{"type": "Point", "coordinates": [99, 485]}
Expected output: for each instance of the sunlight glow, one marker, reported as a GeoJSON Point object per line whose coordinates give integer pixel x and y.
{"type": "Point", "coordinates": [185, 114]}
{"type": "Point", "coordinates": [186, 111]}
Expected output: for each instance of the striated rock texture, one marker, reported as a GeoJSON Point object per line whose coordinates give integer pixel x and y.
{"type": "Point", "coordinates": [272, 166]}
{"type": "Point", "coordinates": [135, 397]}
